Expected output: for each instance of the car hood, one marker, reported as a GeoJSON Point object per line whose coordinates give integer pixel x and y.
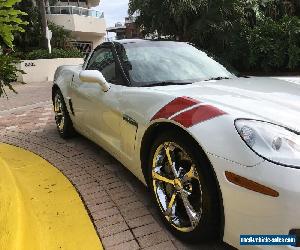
{"type": "Point", "coordinates": [268, 99]}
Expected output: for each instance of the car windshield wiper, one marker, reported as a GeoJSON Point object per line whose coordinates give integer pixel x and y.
{"type": "Point", "coordinates": [166, 83]}
{"type": "Point", "coordinates": [217, 78]}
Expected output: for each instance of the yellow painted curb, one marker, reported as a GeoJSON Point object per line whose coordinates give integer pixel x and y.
{"type": "Point", "coordinates": [39, 207]}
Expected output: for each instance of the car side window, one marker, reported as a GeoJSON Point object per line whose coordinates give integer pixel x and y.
{"type": "Point", "coordinates": [103, 60]}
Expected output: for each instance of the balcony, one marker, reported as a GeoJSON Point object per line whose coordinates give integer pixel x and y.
{"type": "Point", "coordinates": [77, 19]}
{"type": "Point", "coordinates": [73, 10]}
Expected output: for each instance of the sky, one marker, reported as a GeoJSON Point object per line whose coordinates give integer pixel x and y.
{"type": "Point", "coordinates": [114, 11]}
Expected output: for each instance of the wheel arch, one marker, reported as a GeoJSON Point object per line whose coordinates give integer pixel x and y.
{"type": "Point", "coordinates": [148, 138]}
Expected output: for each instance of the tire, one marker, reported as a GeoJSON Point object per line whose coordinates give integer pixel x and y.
{"type": "Point", "coordinates": [195, 189]}
{"type": "Point", "coordinates": [62, 118]}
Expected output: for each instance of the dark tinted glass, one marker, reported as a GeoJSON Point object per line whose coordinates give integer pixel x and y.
{"type": "Point", "coordinates": [148, 62]}
{"type": "Point", "coordinates": [104, 61]}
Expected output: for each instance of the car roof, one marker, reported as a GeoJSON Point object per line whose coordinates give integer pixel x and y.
{"type": "Point", "coordinates": [127, 41]}
{"type": "Point", "coordinates": [124, 41]}
{"type": "Point", "coordinates": [135, 41]}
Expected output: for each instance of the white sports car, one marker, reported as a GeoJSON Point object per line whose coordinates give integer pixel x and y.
{"type": "Point", "coordinates": [220, 153]}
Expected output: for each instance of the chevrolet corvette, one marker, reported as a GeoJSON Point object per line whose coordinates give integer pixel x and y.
{"type": "Point", "coordinates": [220, 153]}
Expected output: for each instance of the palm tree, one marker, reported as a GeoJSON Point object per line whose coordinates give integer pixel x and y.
{"type": "Point", "coordinates": [42, 9]}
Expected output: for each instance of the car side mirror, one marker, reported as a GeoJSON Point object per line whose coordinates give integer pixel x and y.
{"type": "Point", "coordinates": [94, 76]}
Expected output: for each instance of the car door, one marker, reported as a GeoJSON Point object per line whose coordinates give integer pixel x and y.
{"type": "Point", "coordinates": [103, 116]}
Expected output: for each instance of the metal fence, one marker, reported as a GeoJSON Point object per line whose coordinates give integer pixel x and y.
{"type": "Point", "coordinates": [84, 47]}
{"type": "Point", "coordinates": [73, 10]}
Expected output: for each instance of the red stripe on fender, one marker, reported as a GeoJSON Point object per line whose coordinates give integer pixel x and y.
{"type": "Point", "coordinates": [178, 104]}
{"type": "Point", "coordinates": [197, 115]}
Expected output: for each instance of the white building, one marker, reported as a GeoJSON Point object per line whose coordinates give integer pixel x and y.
{"type": "Point", "coordinates": [87, 26]}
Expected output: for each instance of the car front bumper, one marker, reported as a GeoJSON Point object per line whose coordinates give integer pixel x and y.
{"type": "Point", "coordinates": [248, 212]}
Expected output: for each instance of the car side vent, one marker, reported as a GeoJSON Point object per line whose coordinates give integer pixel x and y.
{"type": "Point", "coordinates": [71, 107]}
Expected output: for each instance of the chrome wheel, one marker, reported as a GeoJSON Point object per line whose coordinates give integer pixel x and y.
{"type": "Point", "coordinates": [59, 112]}
{"type": "Point", "coordinates": [177, 186]}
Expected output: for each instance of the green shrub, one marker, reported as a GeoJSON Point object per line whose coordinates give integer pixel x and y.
{"type": "Point", "coordinates": [292, 29]}
{"type": "Point", "coordinates": [268, 49]}
{"type": "Point", "coordinates": [275, 45]}
{"type": "Point", "coordinates": [10, 24]}
{"type": "Point", "coordinates": [60, 37]}
{"type": "Point", "coordinates": [56, 53]}
{"type": "Point", "coordinates": [8, 72]}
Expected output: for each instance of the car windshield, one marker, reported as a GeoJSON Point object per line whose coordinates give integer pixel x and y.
{"type": "Point", "coordinates": [150, 63]}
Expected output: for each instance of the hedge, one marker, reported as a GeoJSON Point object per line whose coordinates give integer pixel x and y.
{"type": "Point", "coordinates": [275, 45]}
{"type": "Point", "coordinates": [56, 53]}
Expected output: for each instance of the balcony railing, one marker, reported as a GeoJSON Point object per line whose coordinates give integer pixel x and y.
{"type": "Point", "coordinates": [73, 10]}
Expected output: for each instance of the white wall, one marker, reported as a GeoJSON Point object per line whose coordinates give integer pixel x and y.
{"type": "Point", "coordinates": [66, 21]}
{"type": "Point", "coordinates": [79, 23]}
{"type": "Point", "coordinates": [43, 69]}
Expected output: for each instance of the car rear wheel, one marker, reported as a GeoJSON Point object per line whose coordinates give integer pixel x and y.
{"type": "Point", "coordinates": [184, 189]}
{"type": "Point", "coordinates": [63, 121]}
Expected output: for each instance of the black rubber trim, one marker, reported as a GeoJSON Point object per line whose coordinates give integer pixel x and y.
{"type": "Point", "coordinates": [130, 120]}
{"type": "Point", "coordinates": [71, 107]}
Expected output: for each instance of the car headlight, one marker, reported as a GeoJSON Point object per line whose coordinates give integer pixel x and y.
{"type": "Point", "coordinates": [272, 142]}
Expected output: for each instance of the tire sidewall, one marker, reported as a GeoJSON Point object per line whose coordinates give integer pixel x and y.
{"type": "Point", "coordinates": [67, 130]}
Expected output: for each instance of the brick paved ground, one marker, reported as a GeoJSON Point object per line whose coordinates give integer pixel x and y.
{"type": "Point", "coordinates": [119, 205]}
{"type": "Point", "coordinates": [30, 94]}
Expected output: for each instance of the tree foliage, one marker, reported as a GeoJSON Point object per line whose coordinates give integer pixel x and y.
{"type": "Point", "coordinates": [246, 33]}
{"type": "Point", "coordinates": [32, 38]}
{"type": "Point", "coordinates": [61, 37]}
{"type": "Point", "coordinates": [275, 45]}
{"type": "Point", "coordinates": [10, 23]}
{"type": "Point", "coordinates": [8, 73]}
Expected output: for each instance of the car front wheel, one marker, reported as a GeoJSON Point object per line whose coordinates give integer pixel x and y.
{"type": "Point", "coordinates": [183, 188]}
{"type": "Point", "coordinates": [63, 121]}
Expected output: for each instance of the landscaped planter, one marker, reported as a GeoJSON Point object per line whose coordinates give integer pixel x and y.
{"type": "Point", "coordinates": [43, 69]}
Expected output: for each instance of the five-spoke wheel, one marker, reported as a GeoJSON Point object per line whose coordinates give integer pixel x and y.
{"type": "Point", "coordinates": [63, 121]}
{"type": "Point", "coordinates": [59, 112]}
{"type": "Point", "coordinates": [177, 186]}
{"type": "Point", "coordinates": [183, 187]}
